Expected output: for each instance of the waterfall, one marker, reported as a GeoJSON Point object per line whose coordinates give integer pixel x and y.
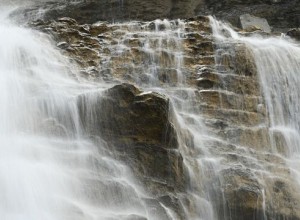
{"type": "Point", "coordinates": [157, 49]}
{"type": "Point", "coordinates": [278, 65]}
{"type": "Point", "coordinates": [277, 62]}
{"type": "Point", "coordinates": [237, 144]}
{"type": "Point", "coordinates": [48, 169]}
{"type": "Point", "coordinates": [56, 171]}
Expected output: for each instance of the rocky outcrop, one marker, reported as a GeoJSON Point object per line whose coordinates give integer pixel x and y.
{"type": "Point", "coordinates": [79, 42]}
{"type": "Point", "coordinates": [106, 10]}
{"type": "Point", "coordinates": [249, 194]}
{"type": "Point", "coordinates": [280, 14]}
{"type": "Point", "coordinates": [243, 194]}
{"type": "Point", "coordinates": [220, 85]}
{"type": "Point", "coordinates": [236, 113]}
{"type": "Point", "coordinates": [138, 127]}
{"type": "Point", "coordinates": [116, 52]}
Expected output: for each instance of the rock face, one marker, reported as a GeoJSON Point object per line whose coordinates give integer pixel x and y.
{"type": "Point", "coordinates": [281, 14]}
{"type": "Point", "coordinates": [294, 33]}
{"type": "Point", "coordinates": [106, 10]}
{"type": "Point", "coordinates": [250, 22]}
{"type": "Point", "coordinates": [220, 85]}
{"type": "Point", "coordinates": [138, 126]}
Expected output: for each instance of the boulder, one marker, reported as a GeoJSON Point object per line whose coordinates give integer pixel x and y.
{"type": "Point", "coordinates": [128, 114]}
{"type": "Point", "coordinates": [250, 23]}
{"type": "Point", "coordinates": [137, 125]}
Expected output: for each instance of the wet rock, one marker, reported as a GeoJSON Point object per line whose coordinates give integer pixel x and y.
{"type": "Point", "coordinates": [284, 199]}
{"type": "Point", "coordinates": [227, 100]}
{"type": "Point", "coordinates": [63, 45]}
{"type": "Point", "coordinates": [98, 28]}
{"type": "Point", "coordinates": [173, 203]}
{"type": "Point", "coordinates": [280, 14]}
{"type": "Point", "coordinates": [243, 194]}
{"type": "Point", "coordinates": [250, 23]}
{"type": "Point", "coordinates": [137, 125]}
{"type": "Point", "coordinates": [76, 41]}
{"type": "Point", "coordinates": [232, 116]}
{"type": "Point", "coordinates": [206, 83]}
{"type": "Point", "coordinates": [68, 20]}
{"type": "Point", "coordinates": [280, 142]}
{"type": "Point", "coordinates": [155, 209]}
{"type": "Point", "coordinates": [142, 116]}
{"type": "Point", "coordinates": [244, 85]}
{"type": "Point", "coordinates": [235, 58]}
{"type": "Point", "coordinates": [253, 138]}
{"type": "Point", "coordinates": [294, 33]}
{"type": "Point", "coordinates": [111, 49]}
{"type": "Point", "coordinates": [244, 61]}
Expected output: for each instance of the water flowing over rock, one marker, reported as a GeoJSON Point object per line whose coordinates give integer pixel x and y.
{"type": "Point", "coordinates": [266, 197]}
{"type": "Point", "coordinates": [149, 120]}
{"type": "Point", "coordinates": [137, 125]}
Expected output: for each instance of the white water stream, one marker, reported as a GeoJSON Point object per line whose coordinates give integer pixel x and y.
{"type": "Point", "coordinates": [278, 65]}
{"type": "Point", "coordinates": [277, 60]}
{"type": "Point", "coordinates": [47, 169]}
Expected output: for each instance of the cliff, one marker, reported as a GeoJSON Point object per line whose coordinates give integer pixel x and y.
{"type": "Point", "coordinates": [185, 112]}
{"type": "Point", "coordinates": [281, 14]}
{"type": "Point", "coordinates": [149, 110]}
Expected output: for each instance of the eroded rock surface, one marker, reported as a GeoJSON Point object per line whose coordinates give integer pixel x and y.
{"type": "Point", "coordinates": [138, 127]}
{"type": "Point", "coordinates": [219, 84]}
{"type": "Point", "coordinates": [281, 14]}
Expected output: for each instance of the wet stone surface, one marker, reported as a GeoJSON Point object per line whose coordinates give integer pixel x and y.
{"type": "Point", "coordinates": [175, 74]}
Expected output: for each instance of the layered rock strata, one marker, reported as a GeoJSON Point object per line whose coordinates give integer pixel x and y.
{"type": "Point", "coordinates": [250, 181]}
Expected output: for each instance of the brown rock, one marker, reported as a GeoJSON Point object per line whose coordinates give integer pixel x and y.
{"type": "Point", "coordinates": [137, 125]}
{"type": "Point", "coordinates": [244, 60]}
{"type": "Point", "coordinates": [242, 194]}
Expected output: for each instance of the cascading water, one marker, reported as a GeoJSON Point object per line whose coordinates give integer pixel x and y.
{"type": "Point", "coordinates": [48, 169]}
{"type": "Point", "coordinates": [46, 140]}
{"type": "Point", "coordinates": [279, 68]}
{"type": "Point", "coordinates": [51, 170]}
{"type": "Point", "coordinates": [157, 51]}
{"type": "Point", "coordinates": [278, 64]}
{"type": "Point", "coordinates": [277, 61]}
